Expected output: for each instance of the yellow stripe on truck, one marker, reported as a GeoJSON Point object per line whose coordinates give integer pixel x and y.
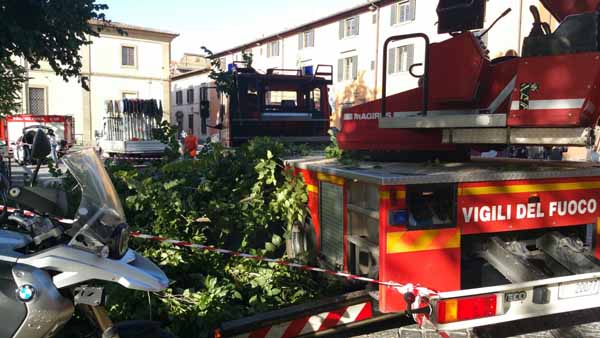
{"type": "Point", "coordinates": [330, 179]}
{"type": "Point", "coordinates": [403, 242]}
{"type": "Point", "coordinates": [386, 195]}
{"type": "Point", "coordinates": [312, 188]}
{"type": "Point", "coordinates": [527, 188]}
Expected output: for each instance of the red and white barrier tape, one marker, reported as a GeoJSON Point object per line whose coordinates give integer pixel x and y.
{"type": "Point", "coordinates": [135, 158]}
{"type": "Point", "coordinates": [417, 290]}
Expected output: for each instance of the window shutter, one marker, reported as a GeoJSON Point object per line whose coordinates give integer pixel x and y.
{"type": "Point", "coordinates": [341, 70]}
{"type": "Point", "coordinates": [391, 60]}
{"type": "Point", "coordinates": [413, 10]}
{"type": "Point", "coordinates": [410, 58]}
{"type": "Point", "coordinates": [300, 36]}
{"type": "Point", "coordinates": [394, 16]}
{"type": "Point", "coordinates": [354, 67]}
{"type": "Point", "coordinates": [357, 26]}
{"type": "Point", "coordinates": [312, 38]}
{"type": "Point", "coordinates": [341, 29]}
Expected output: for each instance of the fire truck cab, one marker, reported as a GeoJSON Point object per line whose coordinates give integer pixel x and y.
{"type": "Point", "coordinates": [282, 103]}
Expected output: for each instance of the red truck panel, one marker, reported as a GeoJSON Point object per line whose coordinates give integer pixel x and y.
{"type": "Point", "coordinates": [427, 257]}
{"type": "Point", "coordinates": [490, 207]}
{"type": "Point", "coordinates": [455, 77]}
{"type": "Point", "coordinates": [560, 91]}
{"type": "Point", "coordinates": [560, 9]}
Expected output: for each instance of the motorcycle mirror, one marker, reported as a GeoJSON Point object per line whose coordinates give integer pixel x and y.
{"type": "Point", "coordinates": [40, 148]}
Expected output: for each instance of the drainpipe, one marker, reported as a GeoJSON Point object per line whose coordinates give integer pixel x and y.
{"type": "Point", "coordinates": [92, 136]}
{"type": "Point", "coordinates": [25, 97]}
{"type": "Point", "coordinates": [282, 51]}
{"type": "Point", "coordinates": [378, 15]}
{"type": "Point", "coordinates": [520, 38]}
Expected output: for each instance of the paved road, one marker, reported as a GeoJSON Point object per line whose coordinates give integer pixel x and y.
{"type": "Point", "coordinates": [20, 174]}
{"type": "Point", "coordinates": [579, 330]}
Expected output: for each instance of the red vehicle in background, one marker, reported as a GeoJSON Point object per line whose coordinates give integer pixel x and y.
{"type": "Point", "coordinates": [12, 127]}
{"type": "Point", "coordinates": [285, 104]}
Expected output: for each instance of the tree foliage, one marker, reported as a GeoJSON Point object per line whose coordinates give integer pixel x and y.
{"type": "Point", "coordinates": [243, 200]}
{"type": "Point", "coordinates": [224, 78]}
{"type": "Point", "coordinates": [52, 31]}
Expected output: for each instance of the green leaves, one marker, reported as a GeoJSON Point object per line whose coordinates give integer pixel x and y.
{"type": "Point", "coordinates": [51, 31]}
{"type": "Point", "coordinates": [251, 200]}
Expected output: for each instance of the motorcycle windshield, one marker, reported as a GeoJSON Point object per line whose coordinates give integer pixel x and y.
{"type": "Point", "coordinates": [100, 203]}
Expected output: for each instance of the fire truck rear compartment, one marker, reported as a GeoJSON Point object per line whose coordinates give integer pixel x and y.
{"type": "Point", "coordinates": [497, 259]}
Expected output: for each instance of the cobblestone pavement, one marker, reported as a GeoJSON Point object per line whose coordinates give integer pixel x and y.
{"type": "Point", "coordinates": [582, 331]}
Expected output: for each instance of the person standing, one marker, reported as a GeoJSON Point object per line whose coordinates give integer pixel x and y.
{"type": "Point", "coordinates": [190, 143]}
{"type": "Point", "coordinates": [53, 145]}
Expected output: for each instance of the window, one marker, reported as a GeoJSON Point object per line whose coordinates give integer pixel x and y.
{"type": "Point", "coordinates": [273, 49]}
{"type": "Point", "coordinates": [191, 122]}
{"type": "Point", "coordinates": [315, 99]}
{"type": "Point", "coordinates": [179, 98]}
{"type": "Point", "coordinates": [128, 56]}
{"type": "Point", "coordinates": [400, 59]}
{"type": "Point", "coordinates": [347, 68]}
{"type": "Point", "coordinates": [204, 108]}
{"type": "Point", "coordinates": [282, 99]}
{"type": "Point", "coordinates": [37, 101]}
{"type": "Point", "coordinates": [204, 92]}
{"type": "Point", "coordinates": [306, 39]}
{"type": "Point", "coordinates": [179, 116]}
{"type": "Point", "coordinates": [349, 27]}
{"type": "Point", "coordinates": [190, 95]}
{"type": "Point", "coordinates": [403, 11]}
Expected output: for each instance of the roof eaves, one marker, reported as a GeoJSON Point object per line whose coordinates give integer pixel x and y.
{"type": "Point", "coordinates": [315, 23]}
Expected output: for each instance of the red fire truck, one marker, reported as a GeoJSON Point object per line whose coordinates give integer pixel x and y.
{"type": "Point", "coordinates": [282, 103]}
{"type": "Point", "coordinates": [494, 241]}
{"type": "Point", "coordinates": [11, 128]}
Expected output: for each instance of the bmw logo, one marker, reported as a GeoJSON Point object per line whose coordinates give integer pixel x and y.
{"type": "Point", "coordinates": [26, 293]}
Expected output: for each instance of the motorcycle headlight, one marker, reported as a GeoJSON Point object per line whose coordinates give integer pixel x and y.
{"type": "Point", "coordinates": [119, 243]}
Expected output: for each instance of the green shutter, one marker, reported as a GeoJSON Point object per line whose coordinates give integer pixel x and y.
{"type": "Point", "coordinates": [391, 60]}
{"type": "Point", "coordinates": [357, 26]}
{"type": "Point", "coordinates": [410, 59]}
{"type": "Point", "coordinates": [354, 67]}
{"type": "Point", "coordinates": [312, 38]}
{"type": "Point", "coordinates": [394, 16]}
{"type": "Point", "coordinates": [300, 38]}
{"type": "Point", "coordinates": [341, 29]}
{"type": "Point", "coordinates": [340, 70]}
{"type": "Point", "coordinates": [413, 10]}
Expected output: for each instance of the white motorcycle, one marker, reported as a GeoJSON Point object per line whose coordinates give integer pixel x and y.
{"type": "Point", "coordinates": [48, 267]}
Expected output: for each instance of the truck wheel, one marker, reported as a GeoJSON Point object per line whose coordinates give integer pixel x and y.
{"type": "Point", "coordinates": [301, 244]}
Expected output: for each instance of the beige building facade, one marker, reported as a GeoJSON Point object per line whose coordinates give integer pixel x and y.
{"type": "Point", "coordinates": [188, 91]}
{"type": "Point", "coordinates": [124, 61]}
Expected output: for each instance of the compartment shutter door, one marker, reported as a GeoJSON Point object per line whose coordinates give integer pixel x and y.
{"type": "Point", "coordinates": [332, 223]}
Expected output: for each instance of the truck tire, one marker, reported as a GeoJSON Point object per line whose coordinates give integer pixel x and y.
{"type": "Point", "coordinates": [302, 241]}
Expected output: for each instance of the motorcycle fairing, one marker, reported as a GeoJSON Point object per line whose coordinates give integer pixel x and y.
{"type": "Point", "coordinates": [76, 266]}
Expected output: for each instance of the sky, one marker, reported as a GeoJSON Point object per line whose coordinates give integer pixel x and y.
{"type": "Point", "coordinates": [220, 24]}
